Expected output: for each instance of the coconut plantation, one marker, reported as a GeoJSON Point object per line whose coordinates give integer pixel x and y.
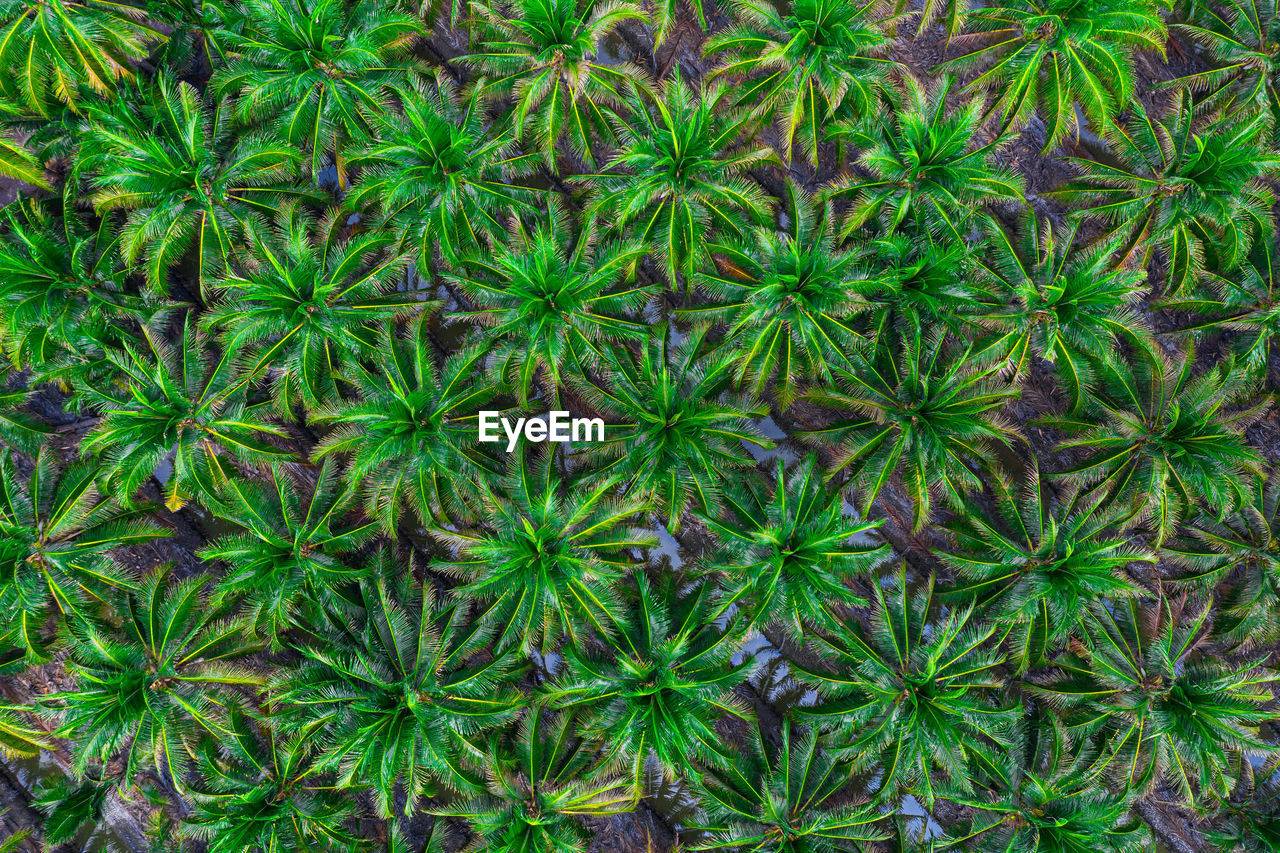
{"type": "Point", "coordinates": [639, 426]}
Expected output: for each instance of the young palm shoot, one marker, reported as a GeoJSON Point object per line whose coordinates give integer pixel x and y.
{"type": "Point", "coordinates": [66, 297]}
{"type": "Point", "coordinates": [409, 440]}
{"type": "Point", "coordinates": [1036, 562]}
{"type": "Point", "coordinates": [182, 406]}
{"type": "Point", "coordinates": [1046, 793]}
{"type": "Point", "coordinates": [1160, 441]}
{"type": "Point", "coordinates": [662, 681]}
{"type": "Point", "coordinates": [1165, 707]}
{"type": "Point", "coordinates": [1238, 556]}
{"type": "Point", "coordinates": [919, 411]}
{"type": "Point", "coordinates": [676, 426]}
{"type": "Point", "coordinates": [1067, 305]}
{"type": "Point", "coordinates": [262, 791]}
{"type": "Point", "coordinates": [440, 176]}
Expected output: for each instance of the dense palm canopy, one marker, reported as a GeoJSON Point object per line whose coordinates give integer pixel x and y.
{"type": "Point", "coordinates": [639, 425]}
{"type": "Point", "coordinates": [284, 567]}
{"type": "Point", "coordinates": [551, 302]}
{"type": "Point", "coordinates": [397, 697]}
{"type": "Point", "coordinates": [440, 176]}
{"type": "Point", "coordinates": [675, 424]}
{"type": "Point", "coordinates": [927, 173]}
{"type": "Point", "coordinates": [786, 299]}
{"type": "Point", "coordinates": [542, 560]}
{"type": "Point", "coordinates": [918, 412]}
{"type": "Point", "coordinates": [678, 178]}
{"type": "Point", "coordinates": [68, 51]}
{"type": "Point", "coordinates": [308, 303]}
{"type": "Point", "coordinates": [787, 555]}
{"type": "Point", "coordinates": [921, 686]}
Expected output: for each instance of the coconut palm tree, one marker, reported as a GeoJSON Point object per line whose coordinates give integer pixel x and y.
{"type": "Point", "coordinates": [174, 412]}
{"type": "Point", "coordinates": [1238, 555]}
{"type": "Point", "coordinates": [1036, 560]}
{"type": "Point", "coordinates": [56, 52]}
{"type": "Point", "coordinates": [540, 785]}
{"type": "Point", "coordinates": [545, 55]}
{"type": "Point", "coordinates": [1064, 61]}
{"type": "Point", "coordinates": [1070, 306]}
{"type": "Point", "coordinates": [1043, 795]}
{"type": "Point", "coordinates": [171, 164]}
{"type": "Point", "coordinates": [545, 559]}
{"type": "Point", "coordinates": [315, 71]}
{"type": "Point", "coordinates": [661, 682]}
{"type": "Point", "coordinates": [675, 425]}
{"type": "Point", "coordinates": [1163, 705]}
{"type": "Point", "coordinates": [923, 170]}
{"type": "Point", "coordinates": [807, 65]}
{"type": "Point", "coordinates": [913, 692]}
{"type": "Point", "coordinates": [285, 568]}
{"type": "Point", "coordinates": [677, 180]}
{"type": "Point", "coordinates": [398, 693]}
{"type": "Point", "coordinates": [145, 692]}
{"type": "Point", "coordinates": [786, 299]}
{"type": "Point", "coordinates": [788, 798]}
{"type": "Point", "coordinates": [1194, 194]}
{"type": "Point", "coordinates": [259, 790]}
{"type": "Point", "coordinates": [439, 175]}
{"type": "Point", "coordinates": [308, 303]}
{"type": "Point", "coordinates": [1160, 440]}
{"type": "Point", "coordinates": [922, 284]}
{"type": "Point", "coordinates": [409, 440]}
{"type": "Point", "coordinates": [918, 409]}
{"type": "Point", "coordinates": [66, 297]}
{"type": "Point", "coordinates": [548, 299]}
{"type": "Point", "coordinates": [1241, 37]}
{"type": "Point", "coordinates": [786, 555]}
{"type": "Point", "coordinates": [57, 531]}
